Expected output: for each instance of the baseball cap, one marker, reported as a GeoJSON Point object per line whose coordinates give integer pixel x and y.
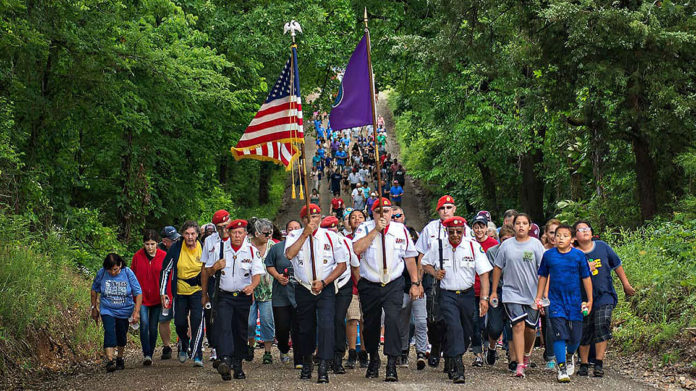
{"type": "Point", "coordinates": [534, 231]}
{"type": "Point", "coordinates": [480, 219]}
{"type": "Point", "coordinates": [485, 213]}
{"type": "Point", "coordinates": [170, 233]}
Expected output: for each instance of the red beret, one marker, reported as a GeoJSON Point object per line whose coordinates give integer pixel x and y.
{"type": "Point", "coordinates": [534, 231]}
{"type": "Point", "coordinates": [312, 207]}
{"type": "Point", "coordinates": [455, 221]}
{"type": "Point", "coordinates": [329, 222]}
{"type": "Point", "coordinates": [221, 216]}
{"type": "Point", "coordinates": [237, 224]}
{"type": "Point", "coordinates": [381, 202]}
{"type": "Point", "coordinates": [445, 199]}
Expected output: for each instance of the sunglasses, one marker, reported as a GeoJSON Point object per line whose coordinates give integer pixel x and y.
{"type": "Point", "coordinates": [584, 229]}
{"type": "Point", "coordinates": [267, 234]}
{"type": "Point", "coordinates": [397, 216]}
{"type": "Point", "coordinates": [447, 207]}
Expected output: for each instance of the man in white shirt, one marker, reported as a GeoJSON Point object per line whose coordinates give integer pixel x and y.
{"type": "Point", "coordinates": [316, 267]}
{"type": "Point", "coordinates": [462, 259]}
{"type": "Point", "coordinates": [384, 248]}
{"type": "Point", "coordinates": [433, 234]}
{"type": "Point", "coordinates": [240, 273]}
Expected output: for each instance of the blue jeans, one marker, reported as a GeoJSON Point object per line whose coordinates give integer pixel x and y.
{"type": "Point", "coordinates": [415, 309]}
{"type": "Point", "coordinates": [264, 310]}
{"type": "Point", "coordinates": [115, 331]}
{"type": "Point", "coordinates": [185, 306]}
{"type": "Point", "coordinates": [149, 321]}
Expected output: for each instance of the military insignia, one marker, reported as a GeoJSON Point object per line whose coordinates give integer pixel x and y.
{"type": "Point", "coordinates": [449, 199]}
{"type": "Point", "coordinates": [400, 240]}
{"type": "Point", "coordinates": [246, 260]}
{"type": "Point", "coordinates": [326, 261]}
{"type": "Point", "coordinates": [481, 250]}
{"type": "Point", "coordinates": [222, 272]}
{"type": "Point", "coordinates": [327, 246]}
{"type": "Point", "coordinates": [234, 257]}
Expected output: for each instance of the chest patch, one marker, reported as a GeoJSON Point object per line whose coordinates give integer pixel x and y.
{"type": "Point", "coordinates": [400, 240]}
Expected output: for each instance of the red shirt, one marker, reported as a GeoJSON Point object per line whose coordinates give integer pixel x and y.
{"type": "Point", "coordinates": [148, 274]}
{"type": "Point", "coordinates": [486, 244]}
{"type": "Point", "coordinates": [337, 203]}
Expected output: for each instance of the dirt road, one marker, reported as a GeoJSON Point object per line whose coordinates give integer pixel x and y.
{"type": "Point", "coordinates": [171, 375]}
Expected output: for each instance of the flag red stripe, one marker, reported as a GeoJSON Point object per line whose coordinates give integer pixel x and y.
{"type": "Point", "coordinates": [269, 137]}
{"type": "Point", "coordinates": [275, 109]}
{"type": "Point", "coordinates": [275, 122]}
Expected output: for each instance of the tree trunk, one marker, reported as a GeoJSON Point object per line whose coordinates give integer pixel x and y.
{"type": "Point", "coordinates": [264, 179]}
{"type": "Point", "coordinates": [489, 191]}
{"type": "Point", "coordinates": [646, 176]}
{"type": "Point", "coordinates": [532, 192]}
{"type": "Point", "coordinates": [123, 210]}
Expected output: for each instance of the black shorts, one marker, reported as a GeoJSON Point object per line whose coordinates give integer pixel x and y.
{"type": "Point", "coordinates": [596, 327]}
{"type": "Point", "coordinates": [567, 330]}
{"type": "Point", "coordinates": [522, 312]}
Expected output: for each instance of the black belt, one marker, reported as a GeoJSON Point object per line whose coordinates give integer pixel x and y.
{"type": "Point", "coordinates": [459, 291]}
{"type": "Point", "coordinates": [382, 284]}
{"type": "Point", "coordinates": [233, 293]}
{"type": "Point", "coordinates": [194, 281]}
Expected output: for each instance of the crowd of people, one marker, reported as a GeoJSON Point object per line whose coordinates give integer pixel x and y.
{"type": "Point", "coordinates": [359, 277]}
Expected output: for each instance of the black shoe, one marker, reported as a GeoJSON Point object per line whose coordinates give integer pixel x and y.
{"type": "Point", "coordinates": [362, 357]}
{"type": "Point", "coordinates": [307, 366]}
{"type": "Point", "coordinates": [315, 359]}
{"type": "Point", "coordinates": [352, 358]}
{"type": "Point", "coordinates": [224, 369]}
{"type": "Point", "coordinates": [478, 362]}
{"type": "Point", "coordinates": [216, 363]}
{"type": "Point", "coordinates": [598, 370]}
{"type": "Point", "coordinates": [457, 370]}
{"type": "Point", "coordinates": [250, 353]}
{"type": "Point", "coordinates": [238, 372]}
{"type": "Point", "coordinates": [434, 359]}
{"type": "Point", "coordinates": [120, 365]}
{"type": "Point", "coordinates": [323, 371]}
{"type": "Point", "coordinates": [403, 360]}
{"type": "Point", "coordinates": [512, 366]}
{"type": "Point", "coordinates": [584, 369]}
{"type": "Point", "coordinates": [420, 361]}
{"type": "Point", "coordinates": [490, 357]}
{"type": "Point", "coordinates": [373, 367]}
{"type": "Point", "coordinates": [166, 353]}
{"type": "Point", "coordinates": [449, 368]}
{"type": "Point", "coordinates": [391, 369]}
{"type": "Point", "coordinates": [338, 364]}
{"type": "Point", "coordinates": [111, 366]}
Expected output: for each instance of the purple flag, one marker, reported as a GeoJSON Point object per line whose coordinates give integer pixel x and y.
{"type": "Point", "coordinates": [353, 104]}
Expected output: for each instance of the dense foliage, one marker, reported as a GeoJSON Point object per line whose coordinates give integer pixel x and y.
{"type": "Point", "coordinates": [124, 111]}
{"type": "Point", "coordinates": [544, 105]}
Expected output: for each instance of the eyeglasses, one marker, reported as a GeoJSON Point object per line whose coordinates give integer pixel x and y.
{"type": "Point", "coordinates": [584, 229]}
{"type": "Point", "coordinates": [220, 227]}
{"type": "Point", "coordinates": [397, 216]}
{"type": "Point", "coordinates": [457, 232]}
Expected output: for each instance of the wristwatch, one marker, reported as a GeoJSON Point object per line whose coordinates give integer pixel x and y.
{"type": "Point", "coordinates": [417, 283]}
{"type": "Point", "coordinates": [323, 284]}
{"type": "Point", "coordinates": [484, 298]}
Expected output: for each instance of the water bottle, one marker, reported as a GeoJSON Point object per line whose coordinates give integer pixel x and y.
{"type": "Point", "coordinates": [166, 306]}
{"type": "Point", "coordinates": [133, 325]}
{"type": "Point", "coordinates": [585, 309]}
{"type": "Point", "coordinates": [494, 302]}
{"type": "Point", "coordinates": [545, 302]}
{"type": "Point", "coordinates": [208, 306]}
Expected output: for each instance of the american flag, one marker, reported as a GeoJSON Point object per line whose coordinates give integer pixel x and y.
{"type": "Point", "coordinates": [277, 126]}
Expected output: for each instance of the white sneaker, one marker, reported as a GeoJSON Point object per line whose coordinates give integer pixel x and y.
{"type": "Point", "coordinates": [284, 358]}
{"type": "Point", "coordinates": [563, 374]}
{"type": "Point", "coordinates": [570, 365]}
{"type": "Point", "coordinates": [213, 355]}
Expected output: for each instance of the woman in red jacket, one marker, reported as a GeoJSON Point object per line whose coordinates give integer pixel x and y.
{"type": "Point", "coordinates": [147, 265]}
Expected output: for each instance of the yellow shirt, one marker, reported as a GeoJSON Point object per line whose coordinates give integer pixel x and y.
{"type": "Point", "coordinates": [189, 266]}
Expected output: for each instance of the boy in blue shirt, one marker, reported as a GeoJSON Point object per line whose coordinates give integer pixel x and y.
{"type": "Point", "coordinates": [565, 267]}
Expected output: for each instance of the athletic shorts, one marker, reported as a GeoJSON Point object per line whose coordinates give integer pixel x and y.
{"type": "Point", "coordinates": [522, 312]}
{"type": "Point", "coordinates": [596, 327]}
{"type": "Point", "coordinates": [354, 311]}
{"type": "Point", "coordinates": [567, 330]}
{"type": "Point", "coordinates": [167, 318]}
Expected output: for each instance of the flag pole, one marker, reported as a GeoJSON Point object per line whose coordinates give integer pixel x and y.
{"type": "Point", "coordinates": [374, 136]}
{"type": "Point", "coordinates": [293, 27]}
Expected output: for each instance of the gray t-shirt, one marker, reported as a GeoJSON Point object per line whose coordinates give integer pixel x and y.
{"type": "Point", "coordinates": [491, 254]}
{"type": "Point", "coordinates": [520, 262]}
{"type": "Point", "coordinates": [276, 258]}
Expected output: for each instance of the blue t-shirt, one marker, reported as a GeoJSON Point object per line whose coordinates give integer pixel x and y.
{"type": "Point", "coordinates": [396, 192]}
{"type": "Point", "coordinates": [316, 160]}
{"type": "Point", "coordinates": [341, 157]}
{"type": "Point", "coordinates": [565, 290]}
{"type": "Point", "coordinates": [116, 293]}
{"type": "Point", "coordinates": [606, 260]}
{"type": "Point", "coordinates": [321, 152]}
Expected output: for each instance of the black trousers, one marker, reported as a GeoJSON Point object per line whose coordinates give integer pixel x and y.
{"type": "Point", "coordinates": [436, 329]}
{"type": "Point", "coordinates": [457, 311]}
{"type": "Point", "coordinates": [209, 329]}
{"type": "Point", "coordinates": [285, 319]}
{"type": "Point", "coordinates": [231, 325]}
{"type": "Point", "coordinates": [315, 317]}
{"type": "Point", "coordinates": [375, 297]}
{"type": "Point", "coordinates": [495, 321]}
{"type": "Point", "coordinates": [343, 299]}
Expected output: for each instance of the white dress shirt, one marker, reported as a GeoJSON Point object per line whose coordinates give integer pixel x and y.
{"type": "Point", "coordinates": [345, 277]}
{"type": "Point", "coordinates": [240, 265]}
{"type": "Point", "coordinates": [329, 251]}
{"type": "Point", "coordinates": [461, 264]}
{"type": "Point", "coordinates": [398, 245]}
